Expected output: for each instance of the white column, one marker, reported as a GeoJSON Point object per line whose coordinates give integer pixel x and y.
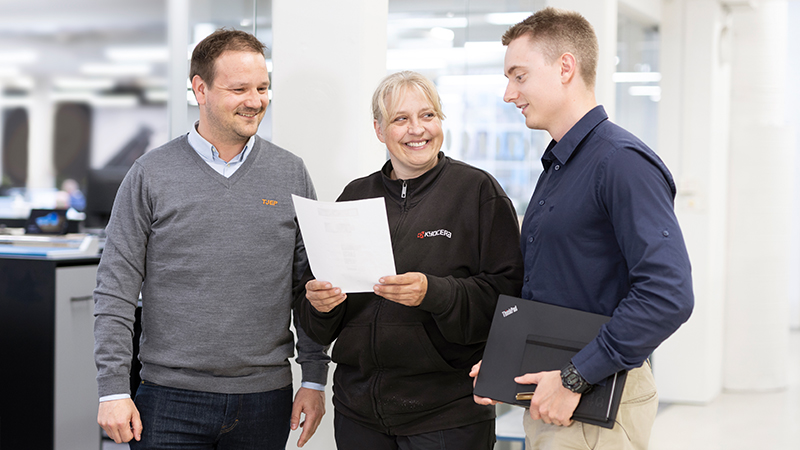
{"type": "Point", "coordinates": [326, 65]}
{"type": "Point", "coordinates": [328, 58]}
{"type": "Point", "coordinates": [762, 172]}
{"type": "Point", "coordinates": [41, 117]}
{"type": "Point", "coordinates": [693, 141]}
{"type": "Point", "coordinates": [178, 70]}
{"type": "Point", "coordinates": [793, 98]}
{"type": "Point", "coordinates": [602, 14]}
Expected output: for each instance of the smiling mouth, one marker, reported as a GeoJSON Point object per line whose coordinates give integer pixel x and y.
{"type": "Point", "coordinates": [416, 144]}
{"type": "Point", "coordinates": [250, 116]}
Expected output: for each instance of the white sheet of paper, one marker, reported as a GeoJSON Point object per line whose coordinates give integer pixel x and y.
{"type": "Point", "coordinates": [347, 243]}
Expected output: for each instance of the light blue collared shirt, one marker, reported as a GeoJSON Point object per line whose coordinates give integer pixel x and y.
{"type": "Point", "coordinates": [210, 154]}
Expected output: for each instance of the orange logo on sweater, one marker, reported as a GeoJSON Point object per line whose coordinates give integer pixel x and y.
{"type": "Point", "coordinates": [269, 202]}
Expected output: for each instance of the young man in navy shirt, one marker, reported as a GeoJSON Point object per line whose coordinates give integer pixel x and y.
{"type": "Point", "coordinates": [599, 235]}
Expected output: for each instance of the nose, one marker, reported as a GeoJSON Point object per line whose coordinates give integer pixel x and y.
{"type": "Point", "coordinates": [254, 99]}
{"type": "Point", "coordinates": [511, 94]}
{"type": "Point", "coordinates": [415, 127]}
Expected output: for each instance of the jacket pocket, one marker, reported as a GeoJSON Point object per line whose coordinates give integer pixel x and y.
{"type": "Point", "coordinates": [406, 348]}
{"type": "Point", "coordinates": [351, 347]}
{"type": "Point", "coordinates": [416, 378]}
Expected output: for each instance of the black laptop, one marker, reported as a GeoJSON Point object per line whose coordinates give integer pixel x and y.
{"type": "Point", "coordinates": [528, 337]}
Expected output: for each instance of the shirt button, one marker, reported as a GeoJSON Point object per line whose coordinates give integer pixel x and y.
{"type": "Point", "coordinates": [541, 202]}
{"type": "Point", "coordinates": [530, 239]}
{"type": "Point", "coordinates": [557, 167]}
{"type": "Point", "coordinates": [527, 278]}
{"type": "Point", "coordinates": [665, 233]}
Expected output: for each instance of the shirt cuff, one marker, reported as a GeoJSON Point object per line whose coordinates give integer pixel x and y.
{"type": "Point", "coordinates": [315, 386]}
{"type": "Point", "coordinates": [108, 398]}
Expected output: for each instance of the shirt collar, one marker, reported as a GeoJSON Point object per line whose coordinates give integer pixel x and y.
{"type": "Point", "coordinates": [566, 147]}
{"type": "Point", "coordinates": [209, 153]}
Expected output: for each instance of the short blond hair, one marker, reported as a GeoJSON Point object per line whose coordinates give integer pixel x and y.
{"type": "Point", "coordinates": [393, 86]}
{"type": "Point", "coordinates": [560, 31]}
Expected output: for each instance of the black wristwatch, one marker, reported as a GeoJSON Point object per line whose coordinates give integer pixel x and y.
{"type": "Point", "coordinates": [572, 380]}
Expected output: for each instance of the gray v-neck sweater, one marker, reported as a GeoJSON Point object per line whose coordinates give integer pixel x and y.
{"type": "Point", "coordinates": [216, 259]}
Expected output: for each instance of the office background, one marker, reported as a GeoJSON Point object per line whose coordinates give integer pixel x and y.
{"type": "Point", "coordinates": [88, 85]}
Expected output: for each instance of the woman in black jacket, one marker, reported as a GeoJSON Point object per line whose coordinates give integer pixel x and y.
{"type": "Point", "coordinates": [404, 352]}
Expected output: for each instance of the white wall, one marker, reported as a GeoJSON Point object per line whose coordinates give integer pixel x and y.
{"type": "Point", "coordinates": [762, 172]}
{"type": "Point", "coordinates": [326, 66]}
{"type": "Point", "coordinates": [693, 141]}
{"type": "Point", "coordinates": [793, 122]}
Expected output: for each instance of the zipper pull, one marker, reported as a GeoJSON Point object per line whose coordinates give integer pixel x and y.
{"type": "Point", "coordinates": [403, 193]}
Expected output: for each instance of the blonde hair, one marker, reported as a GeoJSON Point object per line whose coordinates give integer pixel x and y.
{"type": "Point", "coordinates": [559, 31]}
{"type": "Point", "coordinates": [392, 87]}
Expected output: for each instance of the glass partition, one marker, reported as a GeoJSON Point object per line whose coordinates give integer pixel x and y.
{"type": "Point", "coordinates": [637, 78]}
{"type": "Point", "coordinates": [457, 45]}
{"type": "Point", "coordinates": [82, 93]}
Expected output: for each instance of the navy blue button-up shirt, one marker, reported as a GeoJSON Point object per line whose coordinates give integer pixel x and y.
{"type": "Point", "coordinates": [600, 235]}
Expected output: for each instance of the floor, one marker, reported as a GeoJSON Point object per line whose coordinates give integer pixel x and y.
{"type": "Point", "coordinates": [736, 421]}
{"type": "Point", "coordinates": [733, 421]}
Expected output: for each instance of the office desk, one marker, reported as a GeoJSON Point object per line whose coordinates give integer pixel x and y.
{"type": "Point", "coordinates": [48, 395]}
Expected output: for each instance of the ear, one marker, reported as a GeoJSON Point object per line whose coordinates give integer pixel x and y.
{"type": "Point", "coordinates": [569, 67]}
{"type": "Point", "coordinates": [199, 87]}
{"type": "Point", "coordinates": [378, 131]}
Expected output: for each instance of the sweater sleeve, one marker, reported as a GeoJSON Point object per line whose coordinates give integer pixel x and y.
{"type": "Point", "coordinates": [463, 307]}
{"type": "Point", "coordinates": [119, 280]}
{"type": "Point", "coordinates": [322, 328]}
{"type": "Point", "coordinates": [311, 355]}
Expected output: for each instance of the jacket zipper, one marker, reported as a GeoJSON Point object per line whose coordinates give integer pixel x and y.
{"type": "Point", "coordinates": [378, 368]}
{"type": "Point", "coordinates": [403, 195]}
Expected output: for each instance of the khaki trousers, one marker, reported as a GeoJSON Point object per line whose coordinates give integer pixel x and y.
{"type": "Point", "coordinates": [637, 412]}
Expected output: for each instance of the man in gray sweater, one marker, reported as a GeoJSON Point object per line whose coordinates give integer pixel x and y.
{"type": "Point", "coordinates": [204, 228]}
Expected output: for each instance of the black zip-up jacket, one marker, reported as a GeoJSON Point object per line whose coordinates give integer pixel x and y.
{"type": "Point", "coordinates": [405, 370]}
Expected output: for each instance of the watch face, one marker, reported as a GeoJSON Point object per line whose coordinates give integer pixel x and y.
{"type": "Point", "coordinates": [573, 381]}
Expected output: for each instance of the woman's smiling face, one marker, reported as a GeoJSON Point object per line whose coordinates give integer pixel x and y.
{"type": "Point", "coordinates": [412, 134]}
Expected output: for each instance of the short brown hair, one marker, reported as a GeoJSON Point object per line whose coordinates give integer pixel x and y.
{"type": "Point", "coordinates": [396, 84]}
{"type": "Point", "coordinates": [560, 31]}
{"type": "Point", "coordinates": [207, 51]}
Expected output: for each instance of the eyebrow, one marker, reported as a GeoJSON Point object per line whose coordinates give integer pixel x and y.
{"type": "Point", "coordinates": [511, 70]}
{"type": "Point", "coordinates": [242, 85]}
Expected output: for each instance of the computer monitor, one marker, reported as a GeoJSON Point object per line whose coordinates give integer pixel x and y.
{"type": "Point", "coordinates": [101, 189]}
{"type": "Point", "coordinates": [47, 221]}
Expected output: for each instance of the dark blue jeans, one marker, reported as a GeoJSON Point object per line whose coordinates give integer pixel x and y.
{"type": "Point", "coordinates": [181, 419]}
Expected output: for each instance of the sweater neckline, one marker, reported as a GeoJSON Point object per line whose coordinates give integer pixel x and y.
{"type": "Point", "coordinates": [226, 182]}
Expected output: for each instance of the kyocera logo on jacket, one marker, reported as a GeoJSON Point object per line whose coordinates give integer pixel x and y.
{"type": "Point", "coordinates": [427, 234]}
